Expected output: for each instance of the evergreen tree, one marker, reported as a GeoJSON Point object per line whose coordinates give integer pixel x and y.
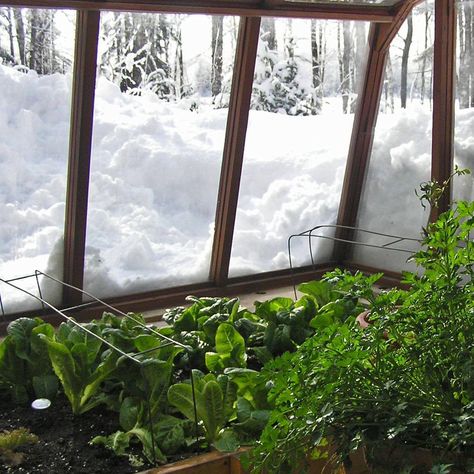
{"type": "Point", "coordinates": [277, 83]}
{"type": "Point", "coordinates": [136, 55]}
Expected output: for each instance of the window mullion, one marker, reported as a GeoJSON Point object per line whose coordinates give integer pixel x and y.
{"type": "Point", "coordinates": [234, 147]}
{"type": "Point", "coordinates": [83, 93]}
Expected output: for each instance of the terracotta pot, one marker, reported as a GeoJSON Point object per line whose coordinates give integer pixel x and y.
{"type": "Point", "coordinates": [363, 319]}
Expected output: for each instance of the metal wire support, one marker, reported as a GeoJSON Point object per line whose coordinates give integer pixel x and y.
{"type": "Point", "coordinates": [133, 356]}
{"type": "Point", "coordinates": [311, 234]}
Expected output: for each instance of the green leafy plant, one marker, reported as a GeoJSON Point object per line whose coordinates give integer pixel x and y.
{"type": "Point", "coordinates": [212, 404]}
{"type": "Point", "coordinates": [165, 435]}
{"type": "Point", "coordinates": [143, 401]}
{"type": "Point", "coordinates": [81, 364]}
{"type": "Point", "coordinates": [230, 349]}
{"type": "Point", "coordinates": [25, 368]}
{"type": "Point", "coordinates": [197, 325]}
{"type": "Point", "coordinates": [10, 441]}
{"type": "Point", "coordinates": [403, 384]}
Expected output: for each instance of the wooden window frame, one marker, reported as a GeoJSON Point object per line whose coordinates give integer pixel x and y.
{"type": "Point", "coordinates": [385, 23]}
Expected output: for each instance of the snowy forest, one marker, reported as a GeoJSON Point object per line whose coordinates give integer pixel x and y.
{"type": "Point", "coordinates": [161, 101]}
{"type": "Point", "coordinates": [296, 69]}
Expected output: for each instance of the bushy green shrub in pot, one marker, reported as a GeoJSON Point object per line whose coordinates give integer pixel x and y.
{"type": "Point", "coordinates": [405, 383]}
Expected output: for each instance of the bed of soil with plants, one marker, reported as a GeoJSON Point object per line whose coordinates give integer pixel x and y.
{"type": "Point", "coordinates": [63, 445]}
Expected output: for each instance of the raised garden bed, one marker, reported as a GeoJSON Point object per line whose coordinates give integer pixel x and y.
{"type": "Point", "coordinates": [63, 440]}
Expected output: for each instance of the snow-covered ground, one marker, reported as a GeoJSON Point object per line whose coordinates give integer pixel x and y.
{"type": "Point", "coordinates": [154, 181]}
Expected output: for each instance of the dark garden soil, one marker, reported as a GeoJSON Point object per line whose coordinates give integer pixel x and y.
{"type": "Point", "coordinates": [63, 440]}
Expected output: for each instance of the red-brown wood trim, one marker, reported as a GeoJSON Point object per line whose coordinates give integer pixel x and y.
{"type": "Point", "coordinates": [380, 37]}
{"type": "Point", "coordinates": [443, 99]}
{"type": "Point", "coordinates": [169, 297]}
{"type": "Point", "coordinates": [249, 8]}
{"type": "Point", "coordinates": [401, 12]}
{"type": "Point", "coordinates": [83, 92]}
{"type": "Point", "coordinates": [234, 145]}
{"type": "Point", "coordinates": [362, 138]}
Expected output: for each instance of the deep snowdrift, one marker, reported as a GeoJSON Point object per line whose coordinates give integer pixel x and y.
{"type": "Point", "coordinates": [154, 180]}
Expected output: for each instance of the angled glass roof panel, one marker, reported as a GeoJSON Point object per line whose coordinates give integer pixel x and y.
{"type": "Point", "coordinates": [401, 152]}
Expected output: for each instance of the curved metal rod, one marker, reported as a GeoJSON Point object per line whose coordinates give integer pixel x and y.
{"type": "Point", "coordinates": [69, 318]}
{"type": "Point", "coordinates": [126, 315]}
{"type": "Point", "coordinates": [310, 233]}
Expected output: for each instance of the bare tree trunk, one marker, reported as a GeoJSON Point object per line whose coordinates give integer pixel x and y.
{"type": "Point", "coordinates": [10, 31]}
{"type": "Point", "coordinates": [361, 46]}
{"type": "Point", "coordinates": [33, 49]}
{"type": "Point", "coordinates": [405, 55]}
{"type": "Point", "coordinates": [269, 32]}
{"type": "Point", "coordinates": [20, 34]}
{"type": "Point", "coordinates": [217, 50]}
{"type": "Point", "coordinates": [388, 86]}
{"type": "Point", "coordinates": [318, 53]}
{"type": "Point", "coordinates": [423, 61]}
{"type": "Point", "coordinates": [463, 77]}
{"type": "Point", "coordinates": [344, 64]}
{"type": "Point", "coordinates": [469, 49]}
{"type": "Point", "coordinates": [234, 21]}
{"type": "Point", "coordinates": [179, 63]}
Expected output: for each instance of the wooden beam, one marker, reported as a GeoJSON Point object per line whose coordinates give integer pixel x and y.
{"type": "Point", "coordinates": [361, 140]}
{"type": "Point", "coordinates": [380, 37]}
{"type": "Point", "coordinates": [402, 10]}
{"type": "Point", "coordinates": [166, 298]}
{"type": "Point", "coordinates": [83, 92]}
{"type": "Point", "coordinates": [234, 145]}
{"type": "Point", "coordinates": [249, 8]}
{"type": "Point", "coordinates": [443, 99]}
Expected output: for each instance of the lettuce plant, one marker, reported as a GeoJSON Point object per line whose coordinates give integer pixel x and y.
{"type": "Point", "coordinates": [213, 403]}
{"type": "Point", "coordinates": [25, 368]}
{"type": "Point", "coordinates": [166, 435]}
{"type": "Point", "coordinates": [81, 364]}
{"type": "Point", "coordinates": [230, 349]}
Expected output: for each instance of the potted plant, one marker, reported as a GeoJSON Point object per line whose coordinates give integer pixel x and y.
{"type": "Point", "coordinates": [402, 388]}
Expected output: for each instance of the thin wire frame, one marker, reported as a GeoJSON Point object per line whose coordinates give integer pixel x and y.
{"type": "Point", "coordinates": [311, 234]}
{"type": "Point", "coordinates": [133, 356]}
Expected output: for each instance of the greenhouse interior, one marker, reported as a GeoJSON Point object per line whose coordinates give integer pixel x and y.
{"type": "Point", "coordinates": [292, 291]}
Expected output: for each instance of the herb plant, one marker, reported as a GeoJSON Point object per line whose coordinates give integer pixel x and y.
{"type": "Point", "coordinates": [403, 384]}
{"type": "Point", "coordinates": [10, 441]}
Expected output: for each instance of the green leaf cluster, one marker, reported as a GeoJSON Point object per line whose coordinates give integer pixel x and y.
{"type": "Point", "coordinates": [80, 364]}
{"type": "Point", "coordinates": [406, 382]}
{"type": "Point", "coordinates": [25, 368]}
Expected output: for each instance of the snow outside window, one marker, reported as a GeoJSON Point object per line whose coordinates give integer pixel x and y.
{"type": "Point", "coordinates": [401, 154]}
{"type": "Point", "coordinates": [36, 57]}
{"type": "Point", "coordinates": [304, 97]}
{"type": "Point", "coordinates": [159, 126]}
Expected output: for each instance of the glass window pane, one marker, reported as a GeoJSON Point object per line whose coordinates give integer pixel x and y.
{"type": "Point", "coordinates": [159, 126]}
{"type": "Point", "coordinates": [401, 154]}
{"type": "Point", "coordinates": [300, 125]}
{"type": "Point", "coordinates": [36, 56]}
{"type": "Point", "coordinates": [464, 111]}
